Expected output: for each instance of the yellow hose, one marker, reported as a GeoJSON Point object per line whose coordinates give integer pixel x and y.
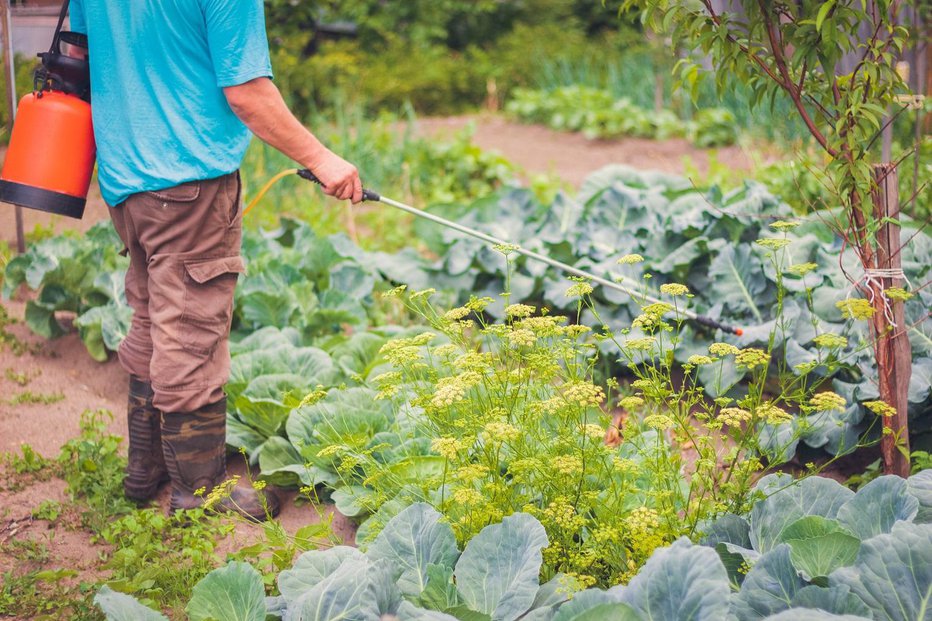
{"type": "Point", "coordinates": [265, 188]}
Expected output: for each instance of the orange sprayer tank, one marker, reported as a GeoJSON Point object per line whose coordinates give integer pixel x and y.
{"type": "Point", "coordinates": [50, 159]}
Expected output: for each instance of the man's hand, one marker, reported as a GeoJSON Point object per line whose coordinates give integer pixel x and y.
{"type": "Point", "coordinates": [338, 177]}
{"type": "Point", "coordinates": [261, 108]}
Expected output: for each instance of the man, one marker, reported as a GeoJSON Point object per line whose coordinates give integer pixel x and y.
{"type": "Point", "coordinates": [176, 85]}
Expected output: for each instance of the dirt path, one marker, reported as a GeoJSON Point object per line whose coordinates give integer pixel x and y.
{"type": "Point", "coordinates": [572, 157]}
{"type": "Point", "coordinates": [63, 366]}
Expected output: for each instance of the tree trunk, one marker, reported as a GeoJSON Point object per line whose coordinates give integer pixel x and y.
{"type": "Point", "coordinates": [892, 348]}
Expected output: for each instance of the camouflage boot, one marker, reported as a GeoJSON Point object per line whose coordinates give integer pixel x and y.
{"type": "Point", "coordinates": [194, 444]}
{"type": "Point", "coordinates": [145, 469]}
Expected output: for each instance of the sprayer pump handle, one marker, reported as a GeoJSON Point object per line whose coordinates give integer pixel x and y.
{"type": "Point", "coordinates": [367, 195]}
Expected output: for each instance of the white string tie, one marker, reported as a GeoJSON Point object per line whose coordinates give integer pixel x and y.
{"type": "Point", "coordinates": [873, 280]}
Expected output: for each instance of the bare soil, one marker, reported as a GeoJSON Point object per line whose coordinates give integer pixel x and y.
{"type": "Point", "coordinates": [63, 365]}
{"type": "Point", "coordinates": [572, 157]}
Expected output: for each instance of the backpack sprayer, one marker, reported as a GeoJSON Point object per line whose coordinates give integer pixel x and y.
{"type": "Point", "coordinates": [369, 195]}
{"type": "Point", "coordinates": [50, 159]}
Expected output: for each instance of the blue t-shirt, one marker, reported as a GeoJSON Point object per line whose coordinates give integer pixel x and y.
{"type": "Point", "coordinates": [158, 68]}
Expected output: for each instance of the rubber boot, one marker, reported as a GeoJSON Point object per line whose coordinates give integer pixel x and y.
{"type": "Point", "coordinates": [194, 444]}
{"type": "Point", "coordinates": [145, 468]}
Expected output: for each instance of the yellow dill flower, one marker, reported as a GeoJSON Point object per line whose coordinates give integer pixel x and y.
{"type": "Point", "coordinates": [579, 290]}
{"type": "Point", "coordinates": [751, 358]}
{"type": "Point", "coordinates": [506, 249]}
{"type": "Point", "coordinates": [784, 225]}
{"type": "Point", "coordinates": [723, 349]}
{"type": "Point", "coordinates": [733, 416]}
{"type": "Point", "coordinates": [625, 465]}
{"type": "Point", "coordinates": [522, 338]}
{"type": "Point", "coordinates": [542, 326]}
{"type": "Point", "coordinates": [658, 421]}
{"type": "Point", "coordinates": [477, 305]}
{"type": "Point", "coordinates": [397, 291]}
{"type": "Point", "coordinates": [826, 401]}
{"type": "Point", "coordinates": [447, 448]}
{"type": "Point", "coordinates": [519, 310]}
{"type": "Point", "coordinates": [468, 496]}
{"type": "Point", "coordinates": [801, 269]}
{"type": "Point", "coordinates": [898, 293]}
{"type": "Point", "coordinates": [583, 393]}
{"type": "Point", "coordinates": [642, 344]}
{"type": "Point", "coordinates": [577, 330]}
{"type": "Point", "coordinates": [592, 431]}
{"type": "Point", "coordinates": [567, 464]}
{"type": "Point", "coordinates": [444, 351]}
{"type": "Point", "coordinates": [332, 450]}
{"type": "Point", "coordinates": [313, 396]}
{"type": "Point", "coordinates": [674, 289]}
{"type": "Point", "coordinates": [455, 314]}
{"type": "Point", "coordinates": [880, 408]}
{"type": "Point", "coordinates": [502, 432]}
{"type": "Point", "coordinates": [830, 341]}
{"type": "Point", "coordinates": [631, 403]}
{"type": "Point", "coordinates": [422, 339]}
{"type": "Point", "coordinates": [630, 259]}
{"type": "Point", "coordinates": [699, 359]}
{"type": "Point", "coordinates": [857, 308]}
{"type": "Point", "coordinates": [773, 243]}
{"type": "Point", "coordinates": [470, 473]}
{"type": "Point", "coordinates": [772, 414]}
{"type": "Point", "coordinates": [452, 389]}
{"type": "Point", "coordinates": [424, 293]}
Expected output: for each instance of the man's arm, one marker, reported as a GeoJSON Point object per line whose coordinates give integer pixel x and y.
{"type": "Point", "coordinates": [260, 106]}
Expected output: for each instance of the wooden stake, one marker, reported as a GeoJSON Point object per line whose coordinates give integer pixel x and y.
{"type": "Point", "coordinates": [893, 350]}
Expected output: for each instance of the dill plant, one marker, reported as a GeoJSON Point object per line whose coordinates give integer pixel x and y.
{"type": "Point", "coordinates": [505, 417]}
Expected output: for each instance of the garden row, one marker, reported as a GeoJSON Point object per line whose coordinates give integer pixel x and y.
{"type": "Point", "coordinates": [597, 114]}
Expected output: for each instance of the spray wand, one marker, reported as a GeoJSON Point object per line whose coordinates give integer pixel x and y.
{"type": "Point", "coordinates": [369, 195]}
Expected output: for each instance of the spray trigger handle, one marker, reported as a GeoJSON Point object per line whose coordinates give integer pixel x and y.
{"type": "Point", "coordinates": [367, 195]}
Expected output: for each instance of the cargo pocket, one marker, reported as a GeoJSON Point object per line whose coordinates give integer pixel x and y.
{"type": "Point", "coordinates": [165, 204]}
{"type": "Point", "coordinates": [208, 302]}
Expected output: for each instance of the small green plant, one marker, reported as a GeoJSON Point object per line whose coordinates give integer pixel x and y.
{"type": "Point", "coordinates": [21, 469]}
{"type": "Point", "coordinates": [160, 558]}
{"type": "Point", "coordinates": [93, 468]}
{"type": "Point", "coordinates": [17, 377]}
{"type": "Point", "coordinates": [48, 510]}
{"type": "Point", "coordinates": [31, 591]}
{"type": "Point", "coordinates": [7, 338]}
{"type": "Point", "coordinates": [27, 397]}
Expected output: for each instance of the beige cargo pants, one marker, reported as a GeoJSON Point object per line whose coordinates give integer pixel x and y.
{"type": "Point", "coordinates": [184, 250]}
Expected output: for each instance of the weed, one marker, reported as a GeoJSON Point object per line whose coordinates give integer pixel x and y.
{"type": "Point", "coordinates": [48, 510]}
{"type": "Point", "coordinates": [922, 460]}
{"type": "Point", "coordinates": [27, 397]}
{"type": "Point", "coordinates": [17, 378]}
{"type": "Point", "coordinates": [7, 339]}
{"type": "Point", "coordinates": [93, 468]}
{"type": "Point", "coordinates": [160, 558]}
{"type": "Point", "coordinates": [25, 468]}
{"type": "Point", "coordinates": [34, 592]}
